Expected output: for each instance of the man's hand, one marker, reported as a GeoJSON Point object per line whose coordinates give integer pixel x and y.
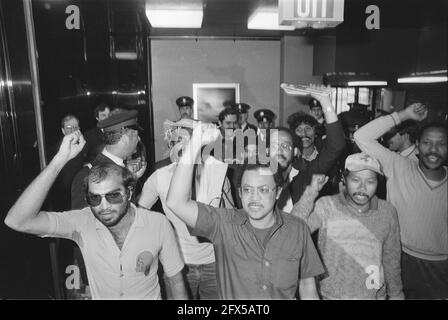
{"type": "Point", "coordinates": [416, 111]}
{"type": "Point", "coordinates": [137, 167]}
{"type": "Point", "coordinates": [317, 182]}
{"type": "Point", "coordinates": [71, 146]}
{"type": "Point", "coordinates": [205, 133]}
{"type": "Point", "coordinates": [324, 98]}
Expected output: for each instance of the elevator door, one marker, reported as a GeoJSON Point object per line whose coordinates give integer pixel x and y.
{"type": "Point", "coordinates": [25, 270]}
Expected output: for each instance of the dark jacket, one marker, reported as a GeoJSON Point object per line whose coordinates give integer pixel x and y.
{"type": "Point", "coordinates": [332, 148]}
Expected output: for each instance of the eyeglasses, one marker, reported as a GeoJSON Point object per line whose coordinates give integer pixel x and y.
{"type": "Point", "coordinates": [263, 190]}
{"type": "Point", "coordinates": [115, 197]}
{"type": "Point", "coordinates": [283, 146]}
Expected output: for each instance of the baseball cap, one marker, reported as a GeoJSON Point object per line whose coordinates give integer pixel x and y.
{"type": "Point", "coordinates": [362, 161]}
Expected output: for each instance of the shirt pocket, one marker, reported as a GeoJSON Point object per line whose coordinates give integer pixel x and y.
{"type": "Point", "coordinates": [287, 269]}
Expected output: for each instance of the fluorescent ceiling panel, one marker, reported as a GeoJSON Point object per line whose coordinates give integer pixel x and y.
{"type": "Point", "coordinates": [422, 79]}
{"type": "Point", "coordinates": [266, 20]}
{"type": "Point", "coordinates": [171, 18]}
{"type": "Point", "coordinates": [366, 83]}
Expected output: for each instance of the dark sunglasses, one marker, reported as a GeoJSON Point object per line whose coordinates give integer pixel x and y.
{"type": "Point", "coordinates": [115, 197]}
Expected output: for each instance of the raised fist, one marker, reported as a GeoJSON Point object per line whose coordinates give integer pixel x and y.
{"type": "Point", "coordinates": [318, 181]}
{"type": "Point", "coordinates": [71, 146]}
{"type": "Point", "coordinates": [417, 111]}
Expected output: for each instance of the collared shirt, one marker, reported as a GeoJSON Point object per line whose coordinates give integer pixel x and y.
{"type": "Point", "coordinates": [411, 152]}
{"type": "Point", "coordinates": [248, 270]}
{"type": "Point", "coordinates": [312, 156]}
{"type": "Point", "coordinates": [129, 273]}
{"type": "Point", "coordinates": [288, 204]}
{"type": "Point", "coordinates": [113, 157]}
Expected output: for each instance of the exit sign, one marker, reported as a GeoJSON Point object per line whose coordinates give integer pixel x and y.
{"type": "Point", "coordinates": [311, 13]}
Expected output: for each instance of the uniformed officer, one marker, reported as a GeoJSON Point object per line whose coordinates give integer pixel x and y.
{"type": "Point", "coordinates": [243, 109]}
{"type": "Point", "coordinates": [317, 113]}
{"type": "Point", "coordinates": [185, 105]}
{"type": "Point", "coordinates": [265, 118]}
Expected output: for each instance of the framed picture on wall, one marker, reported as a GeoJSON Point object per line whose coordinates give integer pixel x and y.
{"type": "Point", "coordinates": [210, 98]}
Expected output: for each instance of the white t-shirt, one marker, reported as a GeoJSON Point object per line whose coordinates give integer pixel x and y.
{"type": "Point", "coordinates": [210, 178]}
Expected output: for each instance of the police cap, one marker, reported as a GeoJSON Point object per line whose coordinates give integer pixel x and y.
{"type": "Point", "coordinates": [118, 120]}
{"type": "Point", "coordinates": [264, 115]}
{"type": "Point", "coordinates": [184, 101]}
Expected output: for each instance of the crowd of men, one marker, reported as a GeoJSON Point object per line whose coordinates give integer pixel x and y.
{"type": "Point", "coordinates": [252, 211]}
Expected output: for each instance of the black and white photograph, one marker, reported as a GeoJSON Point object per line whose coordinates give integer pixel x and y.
{"type": "Point", "coordinates": [211, 98]}
{"type": "Point", "coordinates": [223, 154]}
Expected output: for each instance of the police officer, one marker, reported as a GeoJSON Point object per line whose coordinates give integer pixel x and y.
{"type": "Point", "coordinates": [243, 109]}
{"type": "Point", "coordinates": [265, 118]}
{"type": "Point", "coordinates": [185, 105]}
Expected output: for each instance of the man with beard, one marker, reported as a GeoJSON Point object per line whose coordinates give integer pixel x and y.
{"type": "Point", "coordinates": [261, 252]}
{"type": "Point", "coordinates": [359, 238]}
{"type": "Point", "coordinates": [120, 136]}
{"type": "Point", "coordinates": [121, 244]}
{"type": "Point", "coordinates": [332, 147]}
{"type": "Point", "coordinates": [419, 192]}
{"type": "Point", "coordinates": [283, 149]}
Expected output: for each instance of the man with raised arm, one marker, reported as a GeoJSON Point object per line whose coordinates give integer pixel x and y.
{"type": "Point", "coordinates": [418, 190]}
{"type": "Point", "coordinates": [121, 244]}
{"type": "Point", "coordinates": [261, 252]}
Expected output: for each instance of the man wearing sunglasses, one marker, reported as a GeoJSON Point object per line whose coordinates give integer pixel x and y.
{"type": "Point", "coordinates": [120, 136]}
{"type": "Point", "coordinates": [261, 253]}
{"type": "Point", "coordinates": [121, 244]}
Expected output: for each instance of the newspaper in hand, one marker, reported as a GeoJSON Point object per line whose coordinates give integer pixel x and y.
{"type": "Point", "coordinates": [303, 90]}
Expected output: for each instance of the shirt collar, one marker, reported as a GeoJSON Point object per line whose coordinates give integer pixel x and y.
{"type": "Point", "coordinates": [312, 156]}
{"type": "Point", "coordinates": [240, 217]}
{"type": "Point", "coordinates": [113, 157]}
{"type": "Point", "coordinates": [293, 173]}
{"type": "Point", "coordinates": [406, 152]}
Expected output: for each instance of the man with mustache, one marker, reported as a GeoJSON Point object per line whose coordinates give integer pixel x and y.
{"type": "Point", "coordinates": [418, 190]}
{"type": "Point", "coordinates": [121, 244]}
{"type": "Point", "coordinates": [312, 161]}
{"type": "Point", "coordinates": [359, 238]}
{"type": "Point", "coordinates": [261, 252]}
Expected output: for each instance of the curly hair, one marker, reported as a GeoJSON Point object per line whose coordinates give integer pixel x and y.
{"type": "Point", "coordinates": [300, 117]}
{"type": "Point", "coordinates": [227, 111]}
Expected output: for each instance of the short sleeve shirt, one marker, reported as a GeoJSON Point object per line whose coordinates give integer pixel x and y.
{"type": "Point", "coordinates": [248, 270]}
{"type": "Point", "coordinates": [129, 273]}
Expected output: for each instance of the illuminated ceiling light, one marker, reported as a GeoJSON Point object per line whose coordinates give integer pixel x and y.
{"type": "Point", "coordinates": [423, 79]}
{"type": "Point", "coordinates": [173, 18]}
{"type": "Point", "coordinates": [300, 25]}
{"type": "Point", "coordinates": [366, 83]}
{"type": "Point", "coordinates": [319, 25]}
{"type": "Point", "coordinates": [124, 55]}
{"type": "Point", "coordinates": [263, 19]}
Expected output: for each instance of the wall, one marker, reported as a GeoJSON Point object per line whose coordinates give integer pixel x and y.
{"type": "Point", "coordinates": [296, 68]}
{"type": "Point", "coordinates": [177, 64]}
